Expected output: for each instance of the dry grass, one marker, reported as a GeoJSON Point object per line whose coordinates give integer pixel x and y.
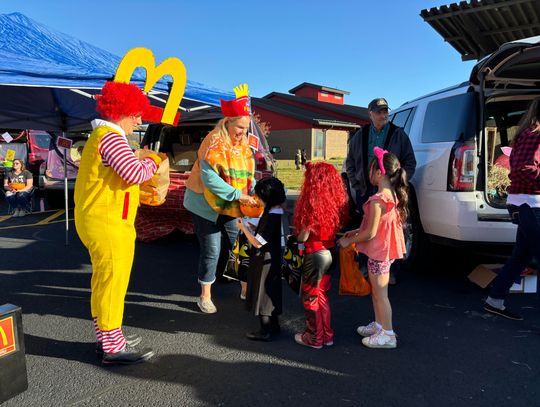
{"type": "Point", "coordinates": [292, 178]}
{"type": "Point", "coordinates": [498, 180]}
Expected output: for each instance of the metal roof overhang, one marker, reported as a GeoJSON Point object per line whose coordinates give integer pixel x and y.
{"type": "Point", "coordinates": [478, 28]}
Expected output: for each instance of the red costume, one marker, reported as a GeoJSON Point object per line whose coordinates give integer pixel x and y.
{"type": "Point", "coordinates": [321, 210]}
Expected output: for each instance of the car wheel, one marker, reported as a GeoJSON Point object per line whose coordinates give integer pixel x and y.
{"type": "Point", "coordinates": [416, 242]}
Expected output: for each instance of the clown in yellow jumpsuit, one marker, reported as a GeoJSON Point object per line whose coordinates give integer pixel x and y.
{"type": "Point", "coordinates": [106, 202]}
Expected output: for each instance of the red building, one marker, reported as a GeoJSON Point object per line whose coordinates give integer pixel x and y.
{"type": "Point", "coordinates": [310, 117]}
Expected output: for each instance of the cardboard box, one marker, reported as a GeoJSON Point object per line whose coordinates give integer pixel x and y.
{"type": "Point", "coordinates": [484, 274]}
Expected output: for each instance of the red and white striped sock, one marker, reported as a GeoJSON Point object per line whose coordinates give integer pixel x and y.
{"type": "Point", "coordinates": [113, 340]}
{"type": "Point", "coordinates": [97, 331]}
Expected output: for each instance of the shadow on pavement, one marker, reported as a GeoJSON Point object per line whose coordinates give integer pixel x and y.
{"type": "Point", "coordinates": [83, 352]}
{"type": "Point", "coordinates": [221, 382]}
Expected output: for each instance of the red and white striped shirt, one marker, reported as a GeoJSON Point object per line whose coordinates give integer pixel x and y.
{"type": "Point", "coordinates": [116, 153]}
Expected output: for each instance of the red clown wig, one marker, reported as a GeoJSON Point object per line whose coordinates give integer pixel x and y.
{"type": "Point", "coordinates": [322, 206]}
{"type": "Point", "coordinates": [119, 100]}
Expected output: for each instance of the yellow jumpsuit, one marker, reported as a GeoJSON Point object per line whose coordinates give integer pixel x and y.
{"type": "Point", "coordinates": [105, 210]}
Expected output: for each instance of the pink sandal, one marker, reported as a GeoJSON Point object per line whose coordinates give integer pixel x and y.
{"type": "Point", "coordinates": [298, 338]}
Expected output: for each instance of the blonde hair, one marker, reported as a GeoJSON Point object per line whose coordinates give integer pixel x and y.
{"type": "Point", "coordinates": [220, 130]}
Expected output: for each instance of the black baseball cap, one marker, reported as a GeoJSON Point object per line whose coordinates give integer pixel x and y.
{"type": "Point", "coordinates": [377, 104]}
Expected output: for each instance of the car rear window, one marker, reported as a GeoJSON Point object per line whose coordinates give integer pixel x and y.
{"type": "Point", "coordinates": [404, 119]}
{"type": "Point", "coordinates": [450, 119]}
{"type": "Point", "coordinates": [41, 139]}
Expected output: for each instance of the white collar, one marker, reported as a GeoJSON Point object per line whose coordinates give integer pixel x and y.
{"type": "Point", "coordinates": [277, 211]}
{"type": "Point", "coordinates": [100, 122]}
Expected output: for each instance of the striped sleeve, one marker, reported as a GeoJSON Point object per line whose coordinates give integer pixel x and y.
{"type": "Point", "coordinates": [116, 153]}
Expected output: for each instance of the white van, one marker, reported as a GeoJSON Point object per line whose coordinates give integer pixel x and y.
{"type": "Point", "coordinates": [456, 134]}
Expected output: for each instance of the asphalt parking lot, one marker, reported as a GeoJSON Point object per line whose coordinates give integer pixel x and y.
{"type": "Point", "coordinates": [450, 352]}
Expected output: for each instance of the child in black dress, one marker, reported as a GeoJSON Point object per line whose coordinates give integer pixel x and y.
{"type": "Point", "coordinates": [264, 276]}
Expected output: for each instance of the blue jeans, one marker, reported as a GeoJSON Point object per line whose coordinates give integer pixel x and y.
{"type": "Point", "coordinates": [19, 200]}
{"type": "Point", "coordinates": [527, 246]}
{"type": "Point", "coordinates": [209, 235]}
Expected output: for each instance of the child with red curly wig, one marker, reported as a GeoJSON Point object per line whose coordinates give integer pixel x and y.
{"type": "Point", "coordinates": [320, 212]}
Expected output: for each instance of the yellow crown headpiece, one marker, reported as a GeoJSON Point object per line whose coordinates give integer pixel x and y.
{"type": "Point", "coordinates": [239, 106]}
{"type": "Point", "coordinates": [241, 90]}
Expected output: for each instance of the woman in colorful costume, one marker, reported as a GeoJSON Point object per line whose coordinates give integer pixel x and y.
{"type": "Point", "coordinates": [222, 176]}
{"type": "Point", "coordinates": [320, 211]}
{"type": "Point", "coordinates": [106, 202]}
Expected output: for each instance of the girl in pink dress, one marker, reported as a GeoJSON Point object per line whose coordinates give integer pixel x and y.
{"type": "Point", "coordinates": [380, 237]}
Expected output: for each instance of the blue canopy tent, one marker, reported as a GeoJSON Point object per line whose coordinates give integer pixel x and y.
{"type": "Point", "coordinates": [47, 79]}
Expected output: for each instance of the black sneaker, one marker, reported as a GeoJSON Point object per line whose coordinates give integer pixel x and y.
{"type": "Point", "coordinates": [131, 341]}
{"type": "Point", "coordinates": [127, 356]}
{"type": "Point", "coordinates": [506, 313]}
{"type": "Point", "coordinates": [261, 336]}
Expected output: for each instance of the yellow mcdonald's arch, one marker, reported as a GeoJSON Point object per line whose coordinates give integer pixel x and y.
{"type": "Point", "coordinates": [4, 337]}
{"type": "Point", "coordinates": [144, 58]}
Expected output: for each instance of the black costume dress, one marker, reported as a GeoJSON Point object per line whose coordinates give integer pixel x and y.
{"type": "Point", "coordinates": [264, 277]}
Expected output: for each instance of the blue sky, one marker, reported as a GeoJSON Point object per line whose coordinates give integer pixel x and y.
{"type": "Point", "coordinates": [370, 49]}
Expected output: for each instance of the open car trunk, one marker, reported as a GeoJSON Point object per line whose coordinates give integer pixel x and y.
{"type": "Point", "coordinates": [508, 81]}
{"type": "Point", "coordinates": [507, 78]}
{"type": "Point", "coordinates": [179, 143]}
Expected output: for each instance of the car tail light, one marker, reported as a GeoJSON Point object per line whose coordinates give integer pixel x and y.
{"type": "Point", "coordinates": [260, 161]}
{"type": "Point", "coordinates": [462, 168]}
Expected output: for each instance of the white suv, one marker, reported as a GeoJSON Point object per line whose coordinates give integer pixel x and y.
{"type": "Point", "coordinates": [456, 134]}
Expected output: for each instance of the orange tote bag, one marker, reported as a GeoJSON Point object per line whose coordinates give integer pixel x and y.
{"type": "Point", "coordinates": [351, 279]}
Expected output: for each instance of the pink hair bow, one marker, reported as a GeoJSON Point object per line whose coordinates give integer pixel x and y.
{"type": "Point", "coordinates": [379, 153]}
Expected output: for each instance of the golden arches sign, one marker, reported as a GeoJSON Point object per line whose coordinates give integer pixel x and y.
{"type": "Point", "coordinates": [3, 336]}
{"type": "Point", "coordinates": [7, 337]}
{"type": "Point", "coordinates": [144, 58]}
